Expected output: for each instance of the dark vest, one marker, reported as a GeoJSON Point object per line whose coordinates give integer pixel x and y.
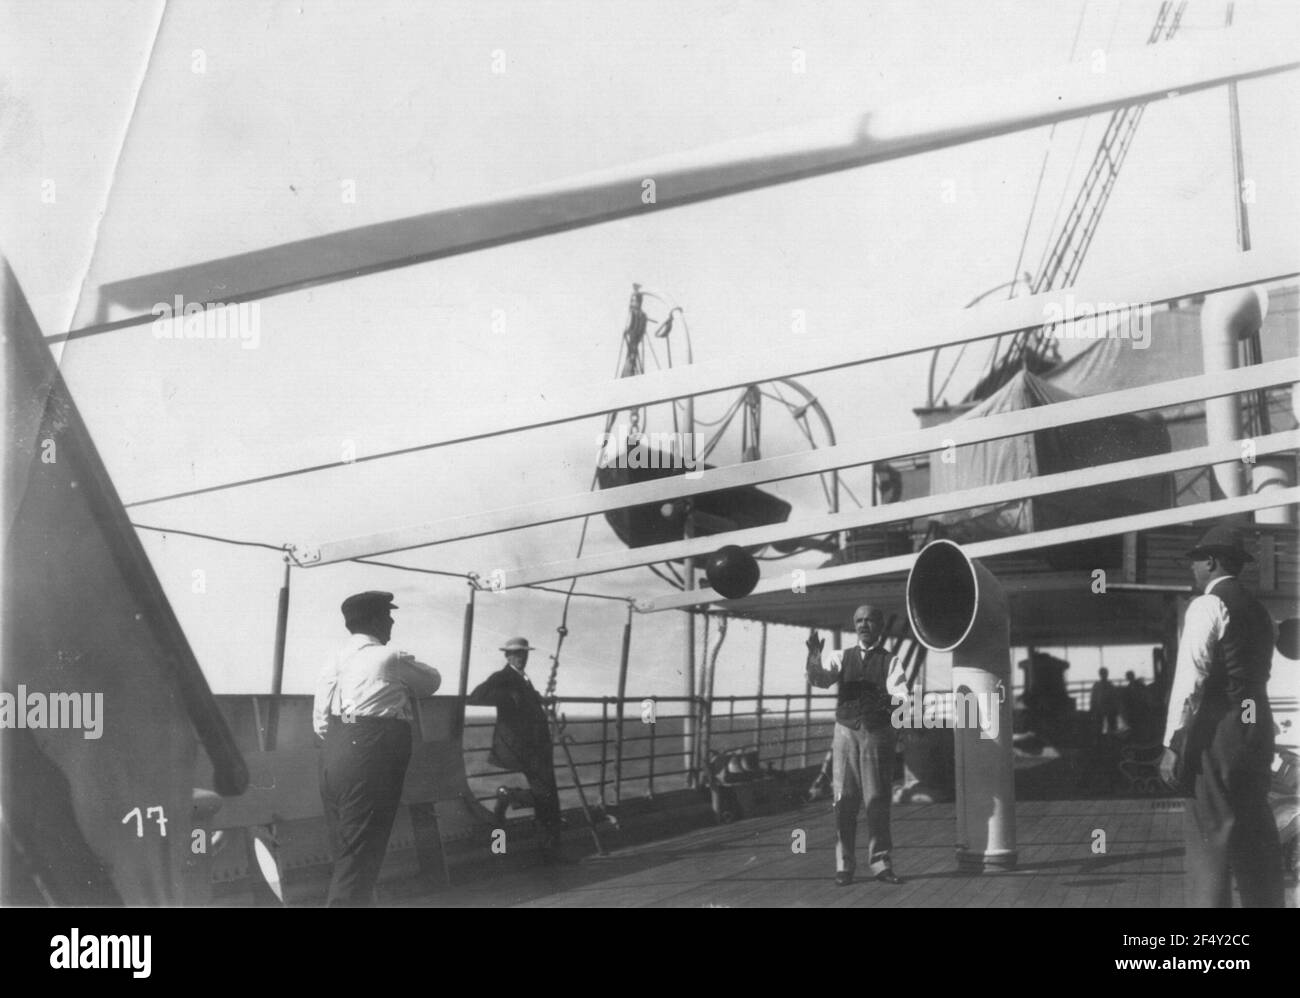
{"type": "Point", "coordinates": [863, 700]}
{"type": "Point", "coordinates": [1241, 666]}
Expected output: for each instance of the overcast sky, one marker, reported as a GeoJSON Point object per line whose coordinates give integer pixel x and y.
{"type": "Point", "coordinates": [171, 138]}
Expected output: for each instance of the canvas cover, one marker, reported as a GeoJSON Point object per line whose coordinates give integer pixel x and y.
{"type": "Point", "coordinates": [1065, 449]}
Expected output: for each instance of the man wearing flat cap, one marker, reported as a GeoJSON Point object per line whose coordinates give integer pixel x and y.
{"type": "Point", "coordinates": [1219, 734]}
{"type": "Point", "coordinates": [522, 740]}
{"type": "Point", "coordinates": [363, 711]}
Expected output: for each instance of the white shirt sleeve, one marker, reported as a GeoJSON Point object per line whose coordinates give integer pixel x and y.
{"type": "Point", "coordinates": [320, 707]}
{"type": "Point", "coordinates": [896, 681]}
{"type": "Point", "coordinates": [1203, 627]}
{"type": "Point", "coordinates": [422, 680]}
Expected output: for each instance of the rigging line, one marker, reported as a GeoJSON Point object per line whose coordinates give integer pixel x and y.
{"type": "Point", "coordinates": [951, 371]}
{"type": "Point", "coordinates": [1042, 169]}
{"type": "Point", "coordinates": [852, 496]}
{"type": "Point", "coordinates": [789, 554]}
{"type": "Point", "coordinates": [117, 165]}
{"type": "Point", "coordinates": [563, 629]}
{"type": "Point", "coordinates": [676, 580]}
{"type": "Point", "coordinates": [211, 537]}
{"type": "Point", "coordinates": [778, 398]}
{"type": "Point", "coordinates": [465, 577]}
{"type": "Point", "coordinates": [805, 429]}
{"type": "Point", "coordinates": [711, 446]}
{"type": "Point", "coordinates": [1029, 221]}
{"type": "Point", "coordinates": [276, 476]}
{"type": "Point", "coordinates": [1074, 160]}
{"type": "Point", "coordinates": [1033, 207]}
{"type": "Point", "coordinates": [1065, 190]}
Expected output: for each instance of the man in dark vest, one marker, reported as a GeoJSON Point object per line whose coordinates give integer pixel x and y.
{"type": "Point", "coordinates": [1219, 734]}
{"type": "Point", "coordinates": [869, 679]}
{"type": "Point", "coordinates": [522, 740]}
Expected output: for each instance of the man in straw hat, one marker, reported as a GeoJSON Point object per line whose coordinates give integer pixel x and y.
{"type": "Point", "coordinates": [522, 741]}
{"type": "Point", "coordinates": [1219, 733]}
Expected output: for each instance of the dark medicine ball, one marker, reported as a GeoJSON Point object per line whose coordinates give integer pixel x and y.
{"type": "Point", "coordinates": [732, 571]}
{"type": "Point", "coordinates": [1288, 638]}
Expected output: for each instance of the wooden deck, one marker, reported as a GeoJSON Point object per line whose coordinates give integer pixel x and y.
{"type": "Point", "coordinates": [752, 864]}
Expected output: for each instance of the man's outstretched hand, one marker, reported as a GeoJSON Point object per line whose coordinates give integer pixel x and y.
{"type": "Point", "coordinates": [815, 644]}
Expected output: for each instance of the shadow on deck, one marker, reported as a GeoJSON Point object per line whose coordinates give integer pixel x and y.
{"type": "Point", "coordinates": [752, 864]}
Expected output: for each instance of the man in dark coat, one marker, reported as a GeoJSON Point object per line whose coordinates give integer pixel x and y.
{"type": "Point", "coordinates": [1219, 734]}
{"type": "Point", "coordinates": [522, 740]}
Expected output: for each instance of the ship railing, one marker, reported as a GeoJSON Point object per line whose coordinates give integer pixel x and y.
{"type": "Point", "coordinates": [646, 755]}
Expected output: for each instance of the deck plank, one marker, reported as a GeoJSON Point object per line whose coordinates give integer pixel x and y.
{"type": "Point", "coordinates": [751, 864]}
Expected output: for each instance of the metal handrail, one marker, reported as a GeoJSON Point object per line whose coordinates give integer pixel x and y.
{"type": "Point", "coordinates": [774, 731]}
{"type": "Point", "coordinates": [783, 732]}
{"type": "Point", "coordinates": [647, 766]}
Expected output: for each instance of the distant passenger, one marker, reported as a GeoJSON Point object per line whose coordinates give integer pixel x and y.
{"type": "Point", "coordinates": [1104, 704]}
{"type": "Point", "coordinates": [522, 742]}
{"type": "Point", "coordinates": [1135, 708]}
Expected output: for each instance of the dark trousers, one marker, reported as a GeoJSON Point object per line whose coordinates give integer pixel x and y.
{"type": "Point", "coordinates": [1228, 824]}
{"type": "Point", "coordinates": [546, 800]}
{"type": "Point", "coordinates": [863, 770]}
{"type": "Point", "coordinates": [363, 768]}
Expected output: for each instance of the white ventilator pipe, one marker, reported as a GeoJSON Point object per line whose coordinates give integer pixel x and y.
{"type": "Point", "coordinates": [1268, 474]}
{"type": "Point", "coordinates": [1226, 318]}
{"type": "Point", "coordinates": [956, 605]}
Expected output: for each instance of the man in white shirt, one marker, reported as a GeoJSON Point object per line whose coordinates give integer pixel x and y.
{"type": "Point", "coordinates": [1219, 734]}
{"type": "Point", "coordinates": [362, 710]}
{"type": "Point", "coordinates": [871, 681]}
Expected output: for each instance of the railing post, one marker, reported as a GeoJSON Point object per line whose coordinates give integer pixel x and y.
{"type": "Point", "coordinates": [650, 791]}
{"type": "Point", "coordinates": [466, 639]}
{"type": "Point", "coordinates": [622, 703]}
{"type": "Point", "coordinates": [277, 665]}
{"type": "Point", "coordinates": [758, 700]}
{"type": "Point", "coordinates": [704, 711]}
{"type": "Point", "coordinates": [807, 717]}
{"type": "Point", "coordinates": [604, 745]}
{"type": "Point", "coordinates": [785, 730]}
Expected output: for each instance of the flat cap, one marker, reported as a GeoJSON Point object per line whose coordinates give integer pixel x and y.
{"type": "Point", "coordinates": [361, 605]}
{"type": "Point", "coordinates": [1220, 539]}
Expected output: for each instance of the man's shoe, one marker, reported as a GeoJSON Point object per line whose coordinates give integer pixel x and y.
{"type": "Point", "coordinates": [844, 878]}
{"type": "Point", "coordinates": [889, 877]}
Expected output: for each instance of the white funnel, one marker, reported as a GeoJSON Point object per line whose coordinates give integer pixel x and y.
{"type": "Point", "coordinates": [956, 605]}
{"type": "Point", "coordinates": [1226, 318]}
